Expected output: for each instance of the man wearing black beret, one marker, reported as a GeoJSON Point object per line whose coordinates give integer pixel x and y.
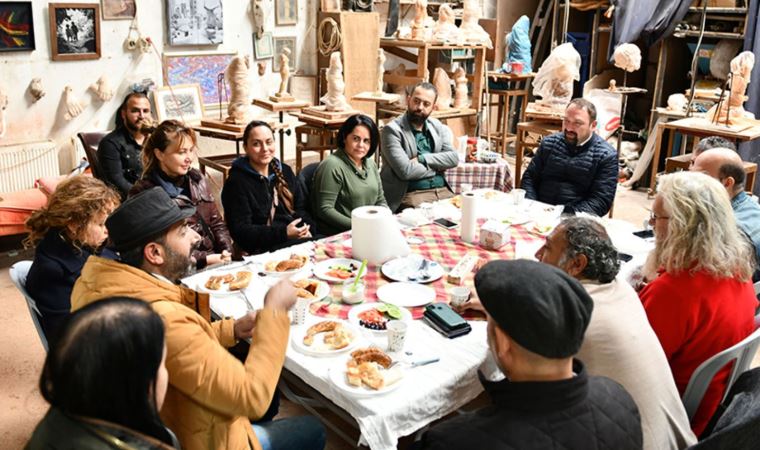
{"type": "Point", "coordinates": [537, 316]}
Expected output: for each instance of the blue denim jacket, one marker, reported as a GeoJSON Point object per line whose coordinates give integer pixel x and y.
{"type": "Point", "coordinates": [747, 213]}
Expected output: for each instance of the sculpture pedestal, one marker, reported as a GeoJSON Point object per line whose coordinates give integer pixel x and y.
{"type": "Point", "coordinates": [223, 125]}
{"type": "Point", "coordinates": [322, 112]}
{"type": "Point", "coordinates": [282, 98]}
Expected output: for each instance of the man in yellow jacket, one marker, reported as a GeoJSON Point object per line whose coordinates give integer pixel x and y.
{"type": "Point", "coordinates": [211, 396]}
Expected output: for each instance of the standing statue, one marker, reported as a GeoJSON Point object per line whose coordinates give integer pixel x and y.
{"type": "Point", "coordinates": [380, 71]}
{"type": "Point", "coordinates": [471, 30]}
{"type": "Point", "coordinates": [445, 29]}
{"type": "Point", "coordinates": [73, 106]}
{"type": "Point", "coordinates": [102, 88]}
{"type": "Point", "coordinates": [420, 16]}
{"type": "Point", "coordinates": [731, 110]}
{"type": "Point", "coordinates": [460, 89]}
{"type": "Point", "coordinates": [442, 84]}
{"type": "Point", "coordinates": [236, 75]}
{"type": "Point", "coordinates": [282, 94]}
{"type": "Point", "coordinates": [554, 80]}
{"type": "Point", "coordinates": [334, 99]}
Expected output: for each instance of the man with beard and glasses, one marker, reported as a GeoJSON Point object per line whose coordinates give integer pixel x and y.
{"type": "Point", "coordinates": [575, 168]}
{"type": "Point", "coordinates": [119, 151]}
{"type": "Point", "coordinates": [212, 397]}
{"type": "Point", "coordinates": [416, 150]}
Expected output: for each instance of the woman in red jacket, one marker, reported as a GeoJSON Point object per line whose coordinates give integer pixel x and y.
{"type": "Point", "coordinates": [168, 155]}
{"type": "Point", "coordinates": [702, 301]}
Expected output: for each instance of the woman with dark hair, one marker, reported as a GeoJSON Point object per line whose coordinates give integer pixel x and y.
{"type": "Point", "coordinates": [105, 380]}
{"type": "Point", "coordinates": [349, 178]}
{"type": "Point", "coordinates": [66, 232]}
{"type": "Point", "coordinates": [263, 201]}
{"type": "Point", "coordinates": [168, 155]}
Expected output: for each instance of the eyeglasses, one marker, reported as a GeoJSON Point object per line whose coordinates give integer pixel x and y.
{"type": "Point", "coordinates": [654, 217]}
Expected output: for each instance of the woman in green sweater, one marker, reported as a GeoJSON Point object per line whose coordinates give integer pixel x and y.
{"type": "Point", "coordinates": [348, 178]}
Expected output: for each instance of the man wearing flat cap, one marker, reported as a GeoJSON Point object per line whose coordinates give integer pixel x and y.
{"type": "Point", "coordinates": [537, 316]}
{"type": "Point", "coordinates": [211, 396]}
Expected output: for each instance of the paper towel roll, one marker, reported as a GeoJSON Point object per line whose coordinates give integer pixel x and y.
{"type": "Point", "coordinates": [469, 216]}
{"type": "Point", "coordinates": [375, 235]}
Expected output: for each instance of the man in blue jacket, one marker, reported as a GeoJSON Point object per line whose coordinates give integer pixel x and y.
{"type": "Point", "coordinates": [575, 168]}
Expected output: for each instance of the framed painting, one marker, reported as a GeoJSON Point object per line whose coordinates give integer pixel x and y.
{"type": "Point", "coordinates": [118, 9]}
{"type": "Point", "coordinates": [304, 87]}
{"type": "Point", "coordinates": [286, 12]}
{"type": "Point", "coordinates": [189, 23]}
{"type": "Point", "coordinates": [199, 68]}
{"type": "Point", "coordinates": [182, 102]}
{"type": "Point", "coordinates": [16, 27]}
{"type": "Point", "coordinates": [74, 31]}
{"type": "Point", "coordinates": [281, 43]}
{"type": "Point", "coordinates": [263, 48]}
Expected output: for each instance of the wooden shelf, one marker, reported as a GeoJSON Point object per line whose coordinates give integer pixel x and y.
{"type": "Point", "coordinates": [708, 34]}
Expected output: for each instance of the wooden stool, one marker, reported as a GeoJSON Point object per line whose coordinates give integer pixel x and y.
{"type": "Point", "coordinates": [543, 128]}
{"type": "Point", "coordinates": [683, 162]}
{"type": "Point", "coordinates": [326, 142]}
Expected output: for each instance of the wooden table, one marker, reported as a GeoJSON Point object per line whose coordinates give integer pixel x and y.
{"type": "Point", "coordinates": [544, 128]}
{"type": "Point", "coordinates": [698, 127]}
{"type": "Point", "coordinates": [503, 97]}
{"type": "Point", "coordinates": [281, 108]}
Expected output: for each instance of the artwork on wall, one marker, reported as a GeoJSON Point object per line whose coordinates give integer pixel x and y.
{"type": "Point", "coordinates": [285, 42]}
{"type": "Point", "coordinates": [200, 68]}
{"type": "Point", "coordinates": [118, 9]}
{"type": "Point", "coordinates": [182, 102]}
{"type": "Point", "coordinates": [74, 31]}
{"type": "Point", "coordinates": [195, 22]}
{"type": "Point", "coordinates": [286, 12]}
{"type": "Point", "coordinates": [263, 48]}
{"type": "Point", "coordinates": [16, 27]}
{"type": "Point", "coordinates": [304, 88]}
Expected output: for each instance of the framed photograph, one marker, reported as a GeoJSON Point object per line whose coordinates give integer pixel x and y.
{"type": "Point", "coordinates": [286, 12]}
{"type": "Point", "coordinates": [118, 9]}
{"type": "Point", "coordinates": [182, 102]}
{"type": "Point", "coordinates": [74, 31]}
{"type": "Point", "coordinates": [279, 44]}
{"type": "Point", "coordinates": [304, 87]}
{"type": "Point", "coordinates": [263, 48]}
{"type": "Point", "coordinates": [191, 22]}
{"type": "Point", "coordinates": [16, 27]}
{"type": "Point", "coordinates": [198, 68]}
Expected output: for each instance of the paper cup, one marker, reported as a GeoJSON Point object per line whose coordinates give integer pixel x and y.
{"type": "Point", "coordinates": [459, 296]}
{"type": "Point", "coordinates": [396, 330]}
{"type": "Point", "coordinates": [299, 311]}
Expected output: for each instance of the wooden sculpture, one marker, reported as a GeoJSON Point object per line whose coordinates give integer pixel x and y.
{"type": "Point", "coordinates": [420, 16]}
{"type": "Point", "coordinates": [460, 89]}
{"type": "Point", "coordinates": [282, 94]}
{"type": "Point", "coordinates": [442, 83]}
{"type": "Point", "coordinates": [236, 75]}
{"type": "Point", "coordinates": [380, 71]}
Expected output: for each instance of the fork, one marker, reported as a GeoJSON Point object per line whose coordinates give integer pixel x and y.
{"type": "Point", "coordinates": [422, 273]}
{"type": "Point", "coordinates": [247, 302]}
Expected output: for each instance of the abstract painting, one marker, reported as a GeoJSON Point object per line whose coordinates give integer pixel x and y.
{"type": "Point", "coordinates": [16, 27]}
{"type": "Point", "coordinates": [195, 22]}
{"type": "Point", "coordinates": [181, 103]}
{"type": "Point", "coordinates": [200, 68]}
{"type": "Point", "coordinates": [118, 9]}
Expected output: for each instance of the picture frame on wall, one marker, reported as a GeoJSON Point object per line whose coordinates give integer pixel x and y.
{"type": "Point", "coordinates": [286, 12]}
{"type": "Point", "coordinates": [118, 9]}
{"type": "Point", "coordinates": [304, 88]}
{"type": "Point", "coordinates": [281, 42]}
{"type": "Point", "coordinates": [188, 24]}
{"type": "Point", "coordinates": [74, 31]}
{"type": "Point", "coordinates": [182, 102]}
{"type": "Point", "coordinates": [198, 68]}
{"type": "Point", "coordinates": [16, 27]}
{"type": "Point", "coordinates": [263, 48]}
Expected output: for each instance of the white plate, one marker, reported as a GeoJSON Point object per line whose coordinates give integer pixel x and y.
{"type": "Point", "coordinates": [201, 286]}
{"type": "Point", "coordinates": [323, 290]}
{"type": "Point", "coordinates": [353, 317]}
{"type": "Point", "coordinates": [337, 375]}
{"type": "Point", "coordinates": [322, 267]}
{"type": "Point", "coordinates": [317, 349]}
{"type": "Point", "coordinates": [406, 294]}
{"type": "Point", "coordinates": [400, 269]}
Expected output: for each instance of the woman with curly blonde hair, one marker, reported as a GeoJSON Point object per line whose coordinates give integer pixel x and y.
{"type": "Point", "coordinates": [702, 301]}
{"type": "Point", "coordinates": [66, 232]}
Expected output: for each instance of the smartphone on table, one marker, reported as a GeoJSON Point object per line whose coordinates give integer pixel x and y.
{"type": "Point", "coordinates": [443, 319]}
{"type": "Point", "coordinates": [445, 223]}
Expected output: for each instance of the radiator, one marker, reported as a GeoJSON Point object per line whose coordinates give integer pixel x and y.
{"type": "Point", "coordinates": [22, 164]}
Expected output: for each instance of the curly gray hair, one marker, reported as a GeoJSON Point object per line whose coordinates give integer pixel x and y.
{"type": "Point", "coordinates": [588, 237]}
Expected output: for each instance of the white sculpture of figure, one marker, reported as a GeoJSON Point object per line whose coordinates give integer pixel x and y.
{"type": "Point", "coordinates": [102, 89]}
{"type": "Point", "coordinates": [731, 109]}
{"type": "Point", "coordinates": [334, 99]}
{"type": "Point", "coordinates": [420, 17]}
{"type": "Point", "coordinates": [442, 83]}
{"type": "Point", "coordinates": [36, 89]}
{"type": "Point", "coordinates": [380, 72]}
{"type": "Point", "coordinates": [3, 106]}
{"type": "Point", "coordinates": [471, 30]}
{"type": "Point", "coordinates": [399, 89]}
{"type": "Point", "coordinates": [554, 80]}
{"type": "Point", "coordinates": [627, 57]}
{"type": "Point", "coordinates": [236, 75]}
{"type": "Point", "coordinates": [282, 93]}
{"type": "Point", "coordinates": [73, 106]}
{"type": "Point", "coordinates": [445, 29]}
{"type": "Point", "coordinates": [460, 89]}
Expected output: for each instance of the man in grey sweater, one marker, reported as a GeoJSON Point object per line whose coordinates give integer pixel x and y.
{"type": "Point", "coordinates": [416, 150]}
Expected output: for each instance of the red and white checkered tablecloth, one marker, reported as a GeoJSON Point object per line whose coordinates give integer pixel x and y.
{"type": "Point", "coordinates": [481, 176]}
{"type": "Point", "coordinates": [438, 244]}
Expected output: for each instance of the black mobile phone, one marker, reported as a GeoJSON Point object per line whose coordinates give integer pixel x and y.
{"type": "Point", "coordinates": [644, 234]}
{"type": "Point", "coordinates": [445, 223]}
{"type": "Point", "coordinates": [445, 320]}
{"type": "Point", "coordinates": [625, 257]}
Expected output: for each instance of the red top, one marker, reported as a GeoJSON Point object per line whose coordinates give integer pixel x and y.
{"type": "Point", "coordinates": [695, 317]}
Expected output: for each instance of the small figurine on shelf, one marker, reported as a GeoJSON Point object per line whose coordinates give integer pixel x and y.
{"type": "Point", "coordinates": [445, 29]}
{"type": "Point", "coordinates": [237, 79]}
{"type": "Point", "coordinates": [282, 94]}
{"type": "Point", "coordinates": [420, 16]}
{"type": "Point", "coordinates": [335, 99]}
{"type": "Point", "coordinates": [472, 31]}
{"type": "Point", "coordinates": [380, 72]}
{"type": "Point", "coordinates": [555, 77]}
{"type": "Point", "coordinates": [460, 89]}
{"type": "Point", "coordinates": [442, 84]}
{"type": "Point", "coordinates": [731, 111]}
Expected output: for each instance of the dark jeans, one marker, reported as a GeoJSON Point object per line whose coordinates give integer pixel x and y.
{"type": "Point", "coordinates": [292, 433]}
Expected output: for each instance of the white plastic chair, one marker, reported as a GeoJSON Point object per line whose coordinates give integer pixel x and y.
{"type": "Point", "coordinates": [741, 354]}
{"type": "Point", "coordinates": [18, 274]}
